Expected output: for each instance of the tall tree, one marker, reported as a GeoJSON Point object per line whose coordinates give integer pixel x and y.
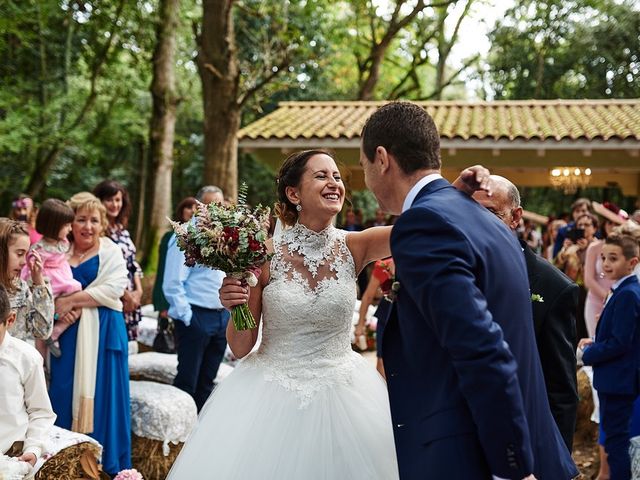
{"type": "Point", "coordinates": [277, 41]}
{"type": "Point", "coordinates": [162, 129]}
{"type": "Point", "coordinates": [70, 72]}
{"type": "Point", "coordinates": [218, 67]}
{"type": "Point", "coordinates": [429, 43]}
{"type": "Point", "coordinates": [48, 154]}
{"type": "Point", "coordinates": [381, 33]}
{"type": "Point", "coordinates": [567, 49]}
{"type": "Point", "coordinates": [445, 44]}
{"type": "Point", "coordinates": [400, 38]}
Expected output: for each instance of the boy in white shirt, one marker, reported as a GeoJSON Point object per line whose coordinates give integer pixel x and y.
{"type": "Point", "coordinates": [25, 410]}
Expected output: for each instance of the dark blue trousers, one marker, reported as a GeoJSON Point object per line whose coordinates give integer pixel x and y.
{"type": "Point", "coordinates": [615, 419]}
{"type": "Point", "coordinates": [200, 348]}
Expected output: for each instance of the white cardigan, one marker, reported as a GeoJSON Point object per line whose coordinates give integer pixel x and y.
{"type": "Point", "coordinates": [107, 289]}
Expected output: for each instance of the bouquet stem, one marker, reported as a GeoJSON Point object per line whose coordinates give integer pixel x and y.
{"type": "Point", "coordinates": [242, 317]}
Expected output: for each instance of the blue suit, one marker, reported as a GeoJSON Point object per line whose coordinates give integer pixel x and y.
{"type": "Point", "coordinates": [615, 357]}
{"type": "Point", "coordinates": [467, 393]}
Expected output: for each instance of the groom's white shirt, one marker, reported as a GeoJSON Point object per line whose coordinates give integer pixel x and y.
{"type": "Point", "coordinates": [408, 201]}
{"type": "Point", "coordinates": [413, 193]}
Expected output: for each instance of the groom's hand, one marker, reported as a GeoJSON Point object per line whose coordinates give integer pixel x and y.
{"type": "Point", "coordinates": [472, 179]}
{"type": "Point", "coordinates": [233, 292]}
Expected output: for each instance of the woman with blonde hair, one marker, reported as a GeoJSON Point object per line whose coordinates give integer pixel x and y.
{"type": "Point", "coordinates": [89, 386]}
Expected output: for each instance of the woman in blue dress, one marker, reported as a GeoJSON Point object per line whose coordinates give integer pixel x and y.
{"type": "Point", "coordinates": [89, 386]}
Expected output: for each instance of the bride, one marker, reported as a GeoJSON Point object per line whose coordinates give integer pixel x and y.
{"type": "Point", "coordinates": [303, 405]}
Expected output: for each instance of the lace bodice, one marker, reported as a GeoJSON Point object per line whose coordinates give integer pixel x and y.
{"type": "Point", "coordinates": [307, 311]}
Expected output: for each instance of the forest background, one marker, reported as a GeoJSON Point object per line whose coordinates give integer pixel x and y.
{"type": "Point", "coordinates": [152, 92]}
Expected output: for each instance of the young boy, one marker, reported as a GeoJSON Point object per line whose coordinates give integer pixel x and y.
{"type": "Point", "coordinates": [615, 353]}
{"type": "Point", "coordinates": [25, 410]}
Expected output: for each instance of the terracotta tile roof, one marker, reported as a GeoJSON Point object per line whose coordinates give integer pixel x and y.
{"type": "Point", "coordinates": [525, 120]}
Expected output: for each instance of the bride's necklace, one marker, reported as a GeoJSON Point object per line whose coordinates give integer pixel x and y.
{"type": "Point", "coordinates": [314, 247]}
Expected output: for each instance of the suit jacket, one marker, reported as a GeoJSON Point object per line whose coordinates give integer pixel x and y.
{"type": "Point", "coordinates": [555, 328]}
{"type": "Point", "coordinates": [464, 378]}
{"type": "Point", "coordinates": [615, 355]}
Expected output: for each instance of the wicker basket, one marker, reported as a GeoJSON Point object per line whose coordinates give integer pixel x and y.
{"type": "Point", "coordinates": [72, 463]}
{"type": "Point", "coordinates": [147, 457]}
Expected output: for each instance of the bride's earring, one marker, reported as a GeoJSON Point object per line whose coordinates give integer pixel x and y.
{"type": "Point", "coordinates": [299, 207]}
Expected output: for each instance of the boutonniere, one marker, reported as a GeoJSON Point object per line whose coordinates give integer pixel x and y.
{"type": "Point", "coordinates": [390, 289]}
{"type": "Point", "coordinates": [537, 298]}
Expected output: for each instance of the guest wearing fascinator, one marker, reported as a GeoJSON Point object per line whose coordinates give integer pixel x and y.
{"type": "Point", "coordinates": [23, 210]}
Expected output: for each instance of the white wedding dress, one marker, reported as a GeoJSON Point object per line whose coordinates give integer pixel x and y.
{"type": "Point", "coordinates": [304, 405]}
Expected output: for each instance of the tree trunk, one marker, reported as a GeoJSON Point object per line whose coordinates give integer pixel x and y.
{"type": "Point", "coordinates": [38, 178]}
{"type": "Point", "coordinates": [373, 74]}
{"type": "Point", "coordinates": [162, 129]}
{"type": "Point", "coordinates": [219, 73]}
{"type": "Point", "coordinates": [140, 199]}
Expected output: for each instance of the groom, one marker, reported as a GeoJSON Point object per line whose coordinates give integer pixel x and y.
{"type": "Point", "coordinates": [467, 394]}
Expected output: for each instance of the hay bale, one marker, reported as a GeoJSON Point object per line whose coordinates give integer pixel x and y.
{"type": "Point", "coordinates": [162, 417]}
{"type": "Point", "coordinates": [67, 464]}
{"type": "Point", "coordinates": [148, 458]}
{"type": "Point", "coordinates": [586, 430]}
{"type": "Point", "coordinates": [154, 366]}
{"type": "Point", "coordinates": [144, 348]}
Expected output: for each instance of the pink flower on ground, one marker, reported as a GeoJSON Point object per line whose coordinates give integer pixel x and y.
{"type": "Point", "coordinates": [131, 474]}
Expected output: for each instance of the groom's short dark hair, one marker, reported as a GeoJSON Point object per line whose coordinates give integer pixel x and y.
{"type": "Point", "coordinates": [407, 132]}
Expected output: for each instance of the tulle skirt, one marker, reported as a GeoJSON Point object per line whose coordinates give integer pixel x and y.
{"type": "Point", "coordinates": [255, 428]}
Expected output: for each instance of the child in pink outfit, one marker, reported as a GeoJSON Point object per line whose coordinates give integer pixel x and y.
{"type": "Point", "coordinates": [54, 223]}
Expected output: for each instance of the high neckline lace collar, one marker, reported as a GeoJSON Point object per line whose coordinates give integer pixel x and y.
{"type": "Point", "coordinates": [301, 228]}
{"type": "Point", "coordinates": [314, 247]}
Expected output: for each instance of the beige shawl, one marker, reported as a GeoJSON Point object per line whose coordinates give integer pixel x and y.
{"type": "Point", "coordinates": [106, 289]}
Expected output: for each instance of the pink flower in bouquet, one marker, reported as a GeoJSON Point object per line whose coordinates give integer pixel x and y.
{"type": "Point", "coordinates": [131, 474]}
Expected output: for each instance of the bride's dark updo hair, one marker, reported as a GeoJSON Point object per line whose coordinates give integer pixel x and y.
{"type": "Point", "coordinates": [290, 175]}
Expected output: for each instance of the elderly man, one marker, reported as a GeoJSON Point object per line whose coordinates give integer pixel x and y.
{"type": "Point", "coordinates": [554, 298]}
{"type": "Point", "coordinates": [199, 318]}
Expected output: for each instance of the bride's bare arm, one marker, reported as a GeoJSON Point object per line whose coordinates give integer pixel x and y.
{"type": "Point", "coordinates": [233, 293]}
{"type": "Point", "coordinates": [369, 245]}
{"type": "Point", "coordinates": [373, 243]}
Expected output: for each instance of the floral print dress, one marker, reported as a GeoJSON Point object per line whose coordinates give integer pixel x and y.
{"type": "Point", "coordinates": [122, 238]}
{"type": "Point", "coordinates": [34, 309]}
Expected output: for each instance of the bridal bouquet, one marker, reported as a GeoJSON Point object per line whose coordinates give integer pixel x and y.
{"type": "Point", "coordinates": [230, 238]}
